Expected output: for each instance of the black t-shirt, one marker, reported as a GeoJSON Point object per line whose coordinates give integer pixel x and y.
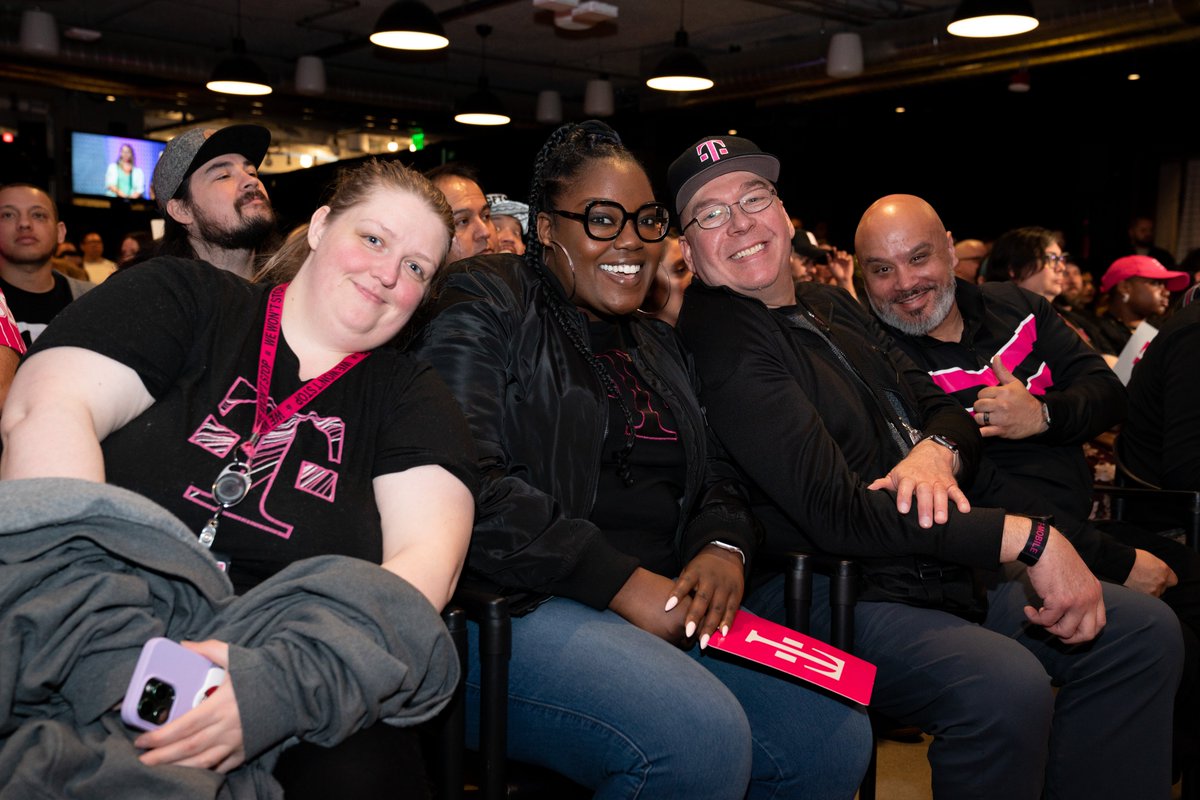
{"type": "Point", "coordinates": [192, 334]}
{"type": "Point", "coordinates": [34, 310]}
{"type": "Point", "coordinates": [641, 519]}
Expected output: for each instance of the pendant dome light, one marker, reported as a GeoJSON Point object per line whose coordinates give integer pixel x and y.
{"type": "Point", "coordinates": [481, 107]}
{"type": "Point", "coordinates": [409, 25]}
{"type": "Point", "coordinates": [681, 70]}
{"type": "Point", "coordinates": [985, 19]}
{"type": "Point", "coordinates": [238, 74]}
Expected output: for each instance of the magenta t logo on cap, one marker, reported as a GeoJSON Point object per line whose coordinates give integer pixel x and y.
{"type": "Point", "coordinates": [713, 149]}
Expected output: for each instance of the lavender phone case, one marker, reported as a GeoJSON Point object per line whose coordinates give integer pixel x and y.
{"type": "Point", "coordinates": [189, 675]}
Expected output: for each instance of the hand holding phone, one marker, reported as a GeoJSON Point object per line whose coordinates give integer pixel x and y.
{"type": "Point", "coordinates": [168, 681]}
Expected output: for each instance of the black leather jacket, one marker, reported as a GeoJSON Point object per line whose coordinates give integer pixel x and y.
{"type": "Point", "coordinates": [809, 439]}
{"type": "Point", "coordinates": [539, 413]}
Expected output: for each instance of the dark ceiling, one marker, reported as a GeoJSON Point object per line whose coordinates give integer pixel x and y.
{"type": "Point", "coordinates": [994, 158]}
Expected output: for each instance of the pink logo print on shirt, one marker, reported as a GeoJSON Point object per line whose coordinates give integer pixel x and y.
{"type": "Point", "coordinates": [1011, 355]}
{"type": "Point", "coordinates": [218, 439]}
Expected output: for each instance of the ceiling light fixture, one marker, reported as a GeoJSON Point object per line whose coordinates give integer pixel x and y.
{"type": "Point", "coordinates": [482, 107]}
{"type": "Point", "coordinates": [598, 97]}
{"type": "Point", "coordinates": [986, 19]}
{"type": "Point", "coordinates": [238, 74]}
{"type": "Point", "coordinates": [845, 59]}
{"type": "Point", "coordinates": [310, 76]}
{"type": "Point", "coordinates": [409, 25]}
{"type": "Point", "coordinates": [681, 70]}
{"type": "Point", "coordinates": [549, 107]}
{"type": "Point", "coordinates": [39, 33]}
{"type": "Point", "coordinates": [571, 15]}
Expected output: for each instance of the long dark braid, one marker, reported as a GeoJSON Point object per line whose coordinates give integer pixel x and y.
{"type": "Point", "coordinates": [568, 150]}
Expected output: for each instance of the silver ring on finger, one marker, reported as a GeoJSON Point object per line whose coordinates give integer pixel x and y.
{"type": "Point", "coordinates": [987, 418]}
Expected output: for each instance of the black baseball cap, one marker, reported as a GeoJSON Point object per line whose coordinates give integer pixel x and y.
{"type": "Point", "coordinates": [805, 245]}
{"type": "Point", "coordinates": [191, 150]}
{"type": "Point", "coordinates": [712, 157]}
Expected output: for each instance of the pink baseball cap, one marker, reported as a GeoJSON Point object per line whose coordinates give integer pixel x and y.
{"type": "Point", "coordinates": [1143, 267]}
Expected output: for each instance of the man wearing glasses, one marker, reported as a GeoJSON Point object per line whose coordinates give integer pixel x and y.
{"type": "Point", "coordinates": [835, 431]}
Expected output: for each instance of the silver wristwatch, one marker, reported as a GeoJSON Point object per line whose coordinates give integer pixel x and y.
{"type": "Point", "coordinates": [949, 444]}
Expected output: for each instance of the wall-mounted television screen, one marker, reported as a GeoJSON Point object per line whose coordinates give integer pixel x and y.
{"type": "Point", "coordinates": [113, 166]}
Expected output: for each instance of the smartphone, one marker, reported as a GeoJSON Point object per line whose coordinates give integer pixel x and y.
{"type": "Point", "coordinates": [169, 681]}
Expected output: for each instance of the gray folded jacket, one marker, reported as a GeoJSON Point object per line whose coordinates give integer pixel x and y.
{"type": "Point", "coordinates": [90, 572]}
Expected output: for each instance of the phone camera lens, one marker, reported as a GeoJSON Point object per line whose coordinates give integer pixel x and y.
{"type": "Point", "coordinates": [156, 701]}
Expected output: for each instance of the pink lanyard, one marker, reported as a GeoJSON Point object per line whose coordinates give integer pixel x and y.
{"type": "Point", "coordinates": [266, 420]}
{"type": "Point", "coordinates": [234, 481]}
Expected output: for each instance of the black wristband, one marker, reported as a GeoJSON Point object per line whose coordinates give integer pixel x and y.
{"type": "Point", "coordinates": [1039, 533]}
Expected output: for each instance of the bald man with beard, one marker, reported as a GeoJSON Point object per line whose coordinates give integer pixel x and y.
{"type": "Point", "coordinates": [1034, 388]}
{"type": "Point", "coordinates": [1036, 391]}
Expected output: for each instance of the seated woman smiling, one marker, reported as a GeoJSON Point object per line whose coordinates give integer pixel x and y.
{"type": "Point", "coordinates": [269, 418]}
{"type": "Point", "coordinates": [605, 509]}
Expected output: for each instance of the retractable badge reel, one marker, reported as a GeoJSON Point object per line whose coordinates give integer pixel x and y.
{"type": "Point", "coordinates": [230, 488]}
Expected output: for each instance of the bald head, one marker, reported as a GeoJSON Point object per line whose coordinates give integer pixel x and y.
{"type": "Point", "coordinates": [897, 215]}
{"type": "Point", "coordinates": [908, 263]}
{"type": "Point", "coordinates": [970, 254]}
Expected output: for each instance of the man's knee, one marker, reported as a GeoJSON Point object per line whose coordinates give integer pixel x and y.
{"type": "Point", "coordinates": [1003, 692]}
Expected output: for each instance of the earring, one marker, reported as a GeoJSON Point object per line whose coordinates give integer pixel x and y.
{"type": "Point", "coordinates": [651, 312]}
{"type": "Point", "coordinates": [1124, 297]}
{"type": "Point", "coordinates": [570, 264]}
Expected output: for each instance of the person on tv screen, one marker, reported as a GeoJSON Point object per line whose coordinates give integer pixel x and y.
{"type": "Point", "coordinates": [123, 179]}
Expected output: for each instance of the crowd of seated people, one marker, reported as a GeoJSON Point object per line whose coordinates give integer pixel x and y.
{"type": "Point", "coordinates": [612, 408]}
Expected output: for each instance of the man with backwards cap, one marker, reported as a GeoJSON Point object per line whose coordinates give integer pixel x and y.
{"type": "Point", "coordinates": [835, 431]}
{"type": "Point", "coordinates": [511, 219]}
{"type": "Point", "coordinates": [216, 208]}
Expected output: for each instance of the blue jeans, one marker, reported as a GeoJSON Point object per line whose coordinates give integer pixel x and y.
{"type": "Point", "coordinates": [985, 692]}
{"type": "Point", "coordinates": [624, 713]}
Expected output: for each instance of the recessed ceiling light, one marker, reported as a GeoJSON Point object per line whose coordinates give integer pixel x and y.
{"type": "Point", "coordinates": [900, 109]}
{"type": "Point", "coordinates": [1133, 76]}
{"type": "Point", "coordinates": [82, 34]}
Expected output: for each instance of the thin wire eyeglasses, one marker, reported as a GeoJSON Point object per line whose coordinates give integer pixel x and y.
{"type": "Point", "coordinates": [603, 220]}
{"type": "Point", "coordinates": [717, 214]}
{"type": "Point", "coordinates": [1057, 261]}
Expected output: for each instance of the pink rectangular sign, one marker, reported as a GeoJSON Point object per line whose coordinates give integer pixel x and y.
{"type": "Point", "coordinates": [804, 657]}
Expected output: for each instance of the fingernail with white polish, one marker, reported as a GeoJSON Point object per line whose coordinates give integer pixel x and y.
{"type": "Point", "coordinates": [672, 601]}
{"type": "Point", "coordinates": [724, 630]}
{"type": "Point", "coordinates": [689, 630]}
{"type": "Point", "coordinates": [704, 641]}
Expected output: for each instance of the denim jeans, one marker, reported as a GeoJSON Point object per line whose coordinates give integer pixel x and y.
{"type": "Point", "coordinates": [985, 692]}
{"type": "Point", "coordinates": [628, 715]}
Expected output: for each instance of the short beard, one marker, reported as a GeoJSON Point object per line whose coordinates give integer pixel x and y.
{"type": "Point", "coordinates": [30, 263]}
{"type": "Point", "coordinates": [251, 234]}
{"type": "Point", "coordinates": [934, 315]}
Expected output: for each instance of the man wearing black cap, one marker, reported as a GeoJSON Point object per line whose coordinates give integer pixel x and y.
{"type": "Point", "coordinates": [217, 210]}
{"type": "Point", "coordinates": [836, 431]}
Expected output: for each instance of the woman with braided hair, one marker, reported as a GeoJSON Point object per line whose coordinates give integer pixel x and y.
{"type": "Point", "coordinates": [606, 515]}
